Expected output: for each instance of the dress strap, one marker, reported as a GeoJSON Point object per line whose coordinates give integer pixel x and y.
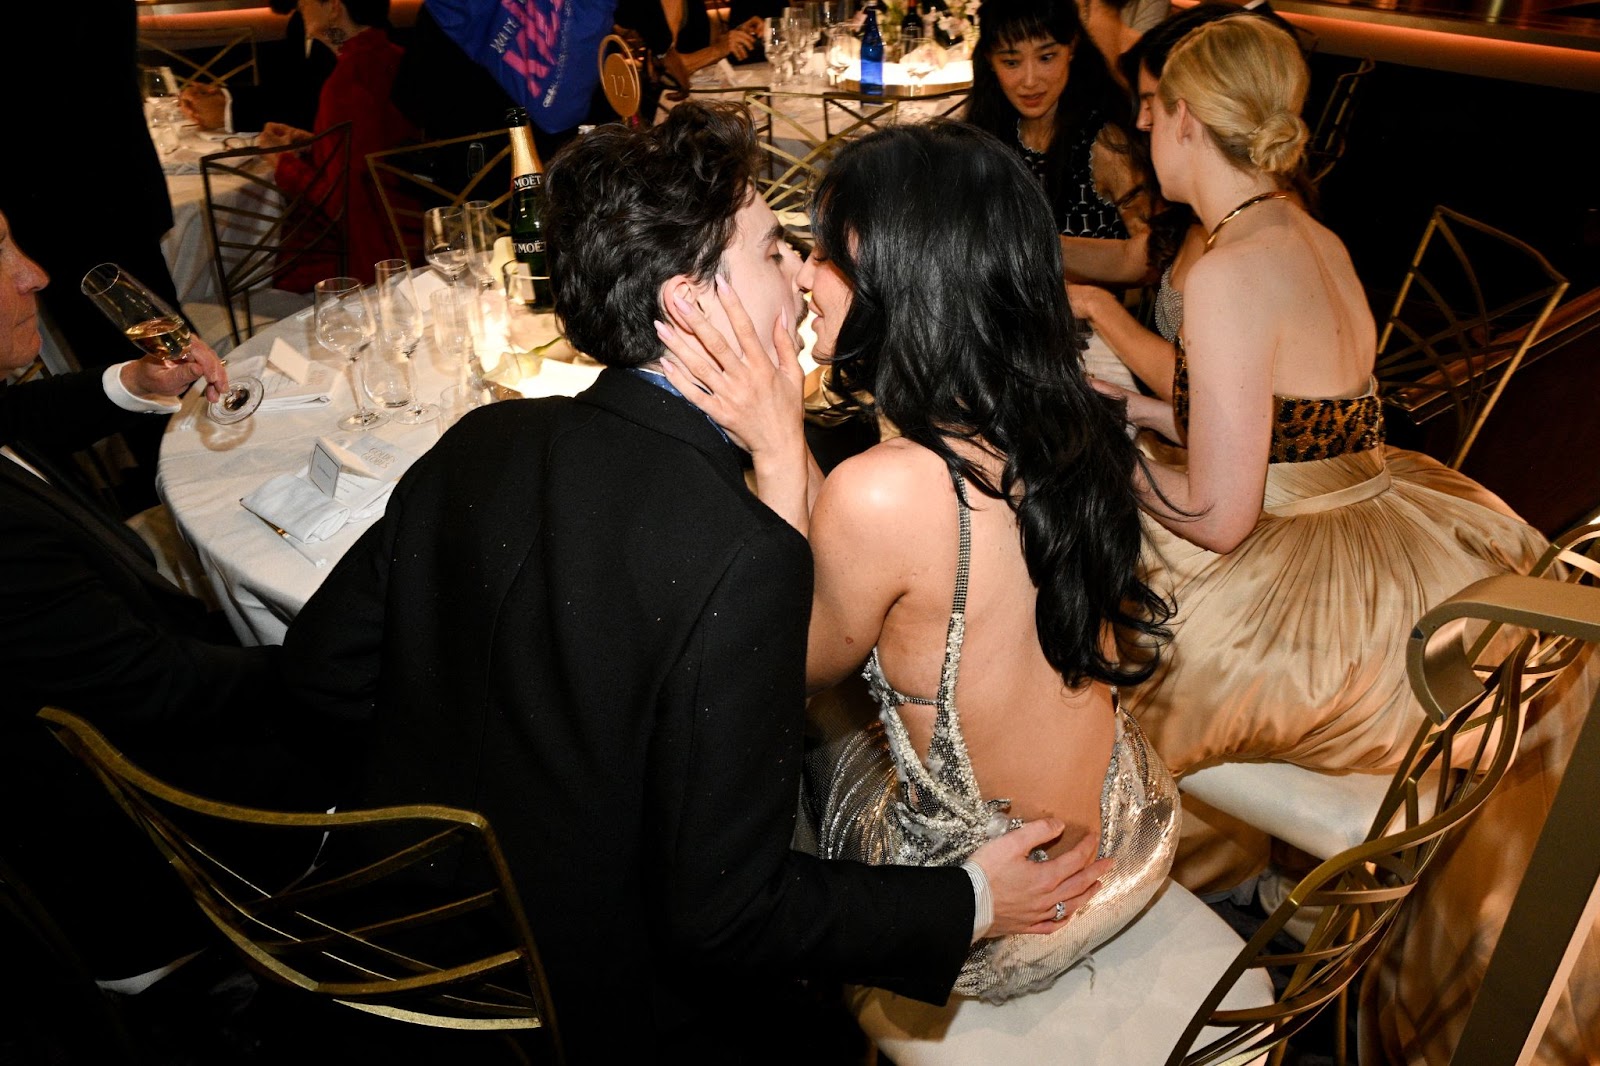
{"type": "Point", "coordinates": [956, 631]}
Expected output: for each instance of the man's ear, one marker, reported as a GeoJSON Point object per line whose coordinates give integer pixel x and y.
{"type": "Point", "coordinates": [685, 288]}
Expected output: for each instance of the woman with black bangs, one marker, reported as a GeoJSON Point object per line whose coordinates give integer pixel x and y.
{"type": "Point", "coordinates": [1041, 86]}
{"type": "Point", "coordinates": [987, 558]}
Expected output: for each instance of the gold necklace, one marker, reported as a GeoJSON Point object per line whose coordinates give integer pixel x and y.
{"type": "Point", "coordinates": [1241, 209]}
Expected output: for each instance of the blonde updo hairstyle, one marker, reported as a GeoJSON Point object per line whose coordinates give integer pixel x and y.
{"type": "Point", "coordinates": [1245, 80]}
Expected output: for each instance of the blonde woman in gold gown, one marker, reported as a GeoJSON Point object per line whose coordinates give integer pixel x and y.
{"type": "Point", "coordinates": [1299, 549]}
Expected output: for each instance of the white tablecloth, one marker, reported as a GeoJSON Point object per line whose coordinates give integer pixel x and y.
{"type": "Point", "coordinates": [260, 580]}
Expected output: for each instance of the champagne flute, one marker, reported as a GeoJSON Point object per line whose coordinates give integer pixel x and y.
{"type": "Point", "coordinates": [444, 240]}
{"type": "Point", "coordinates": [399, 333]}
{"type": "Point", "coordinates": [345, 325]}
{"type": "Point", "coordinates": [452, 334]}
{"type": "Point", "coordinates": [478, 219]}
{"type": "Point", "coordinates": [162, 334]}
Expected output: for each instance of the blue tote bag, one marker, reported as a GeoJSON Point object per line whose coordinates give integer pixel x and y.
{"type": "Point", "coordinates": [543, 52]}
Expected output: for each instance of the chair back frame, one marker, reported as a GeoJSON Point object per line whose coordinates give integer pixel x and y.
{"type": "Point", "coordinates": [487, 152]}
{"type": "Point", "coordinates": [1469, 345]}
{"type": "Point", "coordinates": [320, 933]}
{"type": "Point", "coordinates": [277, 229]}
{"type": "Point", "coordinates": [1461, 752]}
{"type": "Point", "coordinates": [175, 47]}
{"type": "Point", "coordinates": [1330, 137]}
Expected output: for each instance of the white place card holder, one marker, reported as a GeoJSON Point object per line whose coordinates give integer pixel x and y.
{"type": "Point", "coordinates": [324, 470]}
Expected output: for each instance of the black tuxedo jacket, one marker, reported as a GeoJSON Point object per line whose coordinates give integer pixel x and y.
{"type": "Point", "coordinates": [575, 618]}
{"type": "Point", "coordinates": [86, 621]}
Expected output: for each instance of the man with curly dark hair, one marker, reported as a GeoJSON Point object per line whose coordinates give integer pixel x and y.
{"type": "Point", "coordinates": [576, 618]}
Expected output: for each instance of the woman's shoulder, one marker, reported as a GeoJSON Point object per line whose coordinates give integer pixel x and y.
{"type": "Point", "coordinates": [888, 483]}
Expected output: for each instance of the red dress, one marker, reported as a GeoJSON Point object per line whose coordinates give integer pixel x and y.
{"type": "Point", "coordinates": [356, 92]}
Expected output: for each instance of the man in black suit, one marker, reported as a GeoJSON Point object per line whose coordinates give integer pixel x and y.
{"type": "Point", "coordinates": [576, 618]}
{"type": "Point", "coordinates": [88, 624]}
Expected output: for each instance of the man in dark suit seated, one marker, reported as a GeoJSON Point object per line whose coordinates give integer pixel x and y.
{"type": "Point", "coordinates": [87, 623]}
{"type": "Point", "coordinates": [575, 618]}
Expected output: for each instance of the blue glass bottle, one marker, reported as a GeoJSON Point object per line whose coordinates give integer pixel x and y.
{"type": "Point", "coordinates": [871, 56]}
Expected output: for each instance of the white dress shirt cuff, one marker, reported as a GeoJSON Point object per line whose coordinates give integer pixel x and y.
{"type": "Point", "coordinates": [982, 901]}
{"type": "Point", "coordinates": [118, 394]}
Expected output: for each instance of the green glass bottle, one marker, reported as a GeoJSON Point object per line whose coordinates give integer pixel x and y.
{"type": "Point", "coordinates": [527, 207]}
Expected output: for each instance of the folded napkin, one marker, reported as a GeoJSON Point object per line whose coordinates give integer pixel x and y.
{"type": "Point", "coordinates": [175, 167]}
{"type": "Point", "coordinates": [297, 507]}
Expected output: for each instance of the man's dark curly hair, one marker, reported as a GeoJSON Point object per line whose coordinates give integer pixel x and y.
{"type": "Point", "coordinates": [626, 209]}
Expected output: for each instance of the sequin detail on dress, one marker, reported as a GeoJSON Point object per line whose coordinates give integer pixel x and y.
{"type": "Point", "coordinates": [1303, 430]}
{"type": "Point", "coordinates": [886, 806]}
{"type": "Point", "coordinates": [1078, 208]}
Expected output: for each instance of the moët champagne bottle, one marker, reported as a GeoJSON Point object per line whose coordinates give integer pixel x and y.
{"type": "Point", "coordinates": [527, 207]}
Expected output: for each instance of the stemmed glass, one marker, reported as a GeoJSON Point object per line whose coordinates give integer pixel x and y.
{"type": "Point", "coordinates": [444, 240]}
{"type": "Point", "coordinates": [916, 55]}
{"type": "Point", "coordinates": [452, 334]}
{"type": "Point", "coordinates": [345, 325]}
{"type": "Point", "coordinates": [777, 48]}
{"type": "Point", "coordinates": [797, 31]}
{"type": "Point", "coordinates": [162, 334]}
{"type": "Point", "coordinates": [844, 47]}
{"type": "Point", "coordinates": [399, 333]}
{"type": "Point", "coordinates": [478, 219]}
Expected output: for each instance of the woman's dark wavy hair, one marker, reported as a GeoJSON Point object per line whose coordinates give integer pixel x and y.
{"type": "Point", "coordinates": [959, 329]}
{"type": "Point", "coordinates": [1170, 224]}
{"type": "Point", "coordinates": [626, 209]}
{"type": "Point", "coordinates": [1091, 96]}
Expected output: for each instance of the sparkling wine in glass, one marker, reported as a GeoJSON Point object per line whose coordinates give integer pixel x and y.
{"type": "Point", "coordinates": [162, 334]}
{"type": "Point", "coordinates": [444, 240]}
{"type": "Point", "coordinates": [345, 324]}
{"type": "Point", "coordinates": [399, 333]}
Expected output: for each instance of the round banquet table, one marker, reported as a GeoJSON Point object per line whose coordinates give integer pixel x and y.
{"type": "Point", "coordinates": [259, 578]}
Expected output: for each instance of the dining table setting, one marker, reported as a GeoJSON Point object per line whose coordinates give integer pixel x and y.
{"type": "Point", "coordinates": [270, 502]}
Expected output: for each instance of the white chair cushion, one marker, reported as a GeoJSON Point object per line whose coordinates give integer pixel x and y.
{"type": "Point", "coordinates": [1319, 812]}
{"type": "Point", "coordinates": [1124, 1006]}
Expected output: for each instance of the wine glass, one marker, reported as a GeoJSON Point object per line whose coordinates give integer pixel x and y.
{"type": "Point", "coordinates": [452, 333]}
{"type": "Point", "coordinates": [844, 48]}
{"type": "Point", "coordinates": [399, 333]}
{"type": "Point", "coordinates": [916, 56]}
{"type": "Point", "coordinates": [444, 240]}
{"type": "Point", "coordinates": [162, 334]}
{"type": "Point", "coordinates": [482, 229]}
{"type": "Point", "coordinates": [345, 325]}
{"type": "Point", "coordinates": [777, 48]}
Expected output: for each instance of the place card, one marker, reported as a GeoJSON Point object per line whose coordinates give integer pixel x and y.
{"type": "Point", "coordinates": [324, 470]}
{"type": "Point", "coordinates": [368, 455]}
{"type": "Point", "coordinates": [282, 357]}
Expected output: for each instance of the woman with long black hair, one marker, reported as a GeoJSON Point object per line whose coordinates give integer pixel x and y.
{"type": "Point", "coordinates": [987, 558]}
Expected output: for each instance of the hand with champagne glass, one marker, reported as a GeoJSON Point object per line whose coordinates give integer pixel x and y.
{"type": "Point", "coordinates": [345, 324]}
{"type": "Point", "coordinates": [172, 354]}
{"type": "Point", "coordinates": [393, 381]}
{"type": "Point", "coordinates": [444, 241]}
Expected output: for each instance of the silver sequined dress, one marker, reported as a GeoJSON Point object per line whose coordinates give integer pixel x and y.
{"type": "Point", "coordinates": [881, 804]}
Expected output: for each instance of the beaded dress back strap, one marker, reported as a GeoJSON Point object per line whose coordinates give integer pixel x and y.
{"type": "Point", "coordinates": [955, 630]}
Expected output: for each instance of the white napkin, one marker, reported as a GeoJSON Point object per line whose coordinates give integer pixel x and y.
{"type": "Point", "coordinates": [426, 283]}
{"type": "Point", "coordinates": [175, 167]}
{"type": "Point", "coordinates": [298, 508]}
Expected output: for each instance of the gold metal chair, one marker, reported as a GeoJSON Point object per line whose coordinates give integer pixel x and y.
{"type": "Point", "coordinates": [1329, 136]}
{"type": "Point", "coordinates": [258, 229]}
{"type": "Point", "coordinates": [1457, 758]}
{"type": "Point", "coordinates": [1471, 304]}
{"type": "Point", "coordinates": [444, 173]}
{"type": "Point", "coordinates": [207, 56]}
{"type": "Point", "coordinates": [408, 912]}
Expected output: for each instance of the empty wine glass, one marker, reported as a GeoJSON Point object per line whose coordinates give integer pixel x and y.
{"type": "Point", "coordinates": [777, 48]}
{"type": "Point", "coordinates": [916, 56]}
{"type": "Point", "coordinates": [399, 333]}
{"type": "Point", "coordinates": [345, 325]}
{"type": "Point", "coordinates": [444, 240]}
{"type": "Point", "coordinates": [162, 334]}
{"type": "Point", "coordinates": [452, 333]}
{"type": "Point", "coordinates": [844, 48]}
{"type": "Point", "coordinates": [478, 218]}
